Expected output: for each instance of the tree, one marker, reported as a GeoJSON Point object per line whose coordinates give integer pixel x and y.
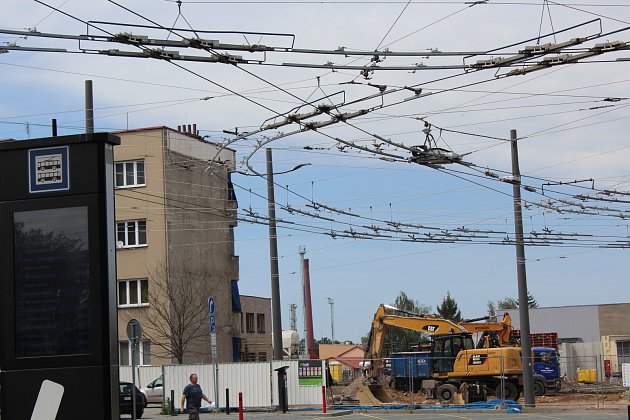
{"type": "Point", "coordinates": [531, 302]}
{"type": "Point", "coordinates": [449, 310]}
{"type": "Point", "coordinates": [511, 303]}
{"type": "Point", "coordinates": [398, 339]}
{"type": "Point", "coordinates": [492, 312]}
{"type": "Point", "coordinates": [179, 309]}
{"type": "Point", "coordinates": [507, 303]}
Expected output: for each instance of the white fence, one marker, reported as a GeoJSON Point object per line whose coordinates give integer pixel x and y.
{"type": "Point", "coordinates": [144, 374]}
{"type": "Point", "coordinates": [257, 381]}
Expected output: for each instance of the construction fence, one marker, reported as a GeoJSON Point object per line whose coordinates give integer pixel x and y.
{"type": "Point", "coordinates": [256, 381]}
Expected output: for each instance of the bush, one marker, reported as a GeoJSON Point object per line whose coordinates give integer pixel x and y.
{"type": "Point", "coordinates": [166, 407]}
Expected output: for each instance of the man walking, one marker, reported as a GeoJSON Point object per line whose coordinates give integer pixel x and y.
{"type": "Point", "coordinates": [193, 395]}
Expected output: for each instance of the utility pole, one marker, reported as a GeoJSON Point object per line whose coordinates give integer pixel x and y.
{"type": "Point", "coordinates": [273, 257]}
{"type": "Point", "coordinates": [331, 302]}
{"type": "Point", "coordinates": [523, 308]}
{"type": "Point", "coordinates": [89, 107]}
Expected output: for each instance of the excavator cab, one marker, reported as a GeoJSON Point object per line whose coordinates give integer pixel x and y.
{"type": "Point", "coordinates": [445, 349]}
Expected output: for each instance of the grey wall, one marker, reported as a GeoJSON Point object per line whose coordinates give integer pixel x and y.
{"type": "Point", "coordinates": [568, 321]}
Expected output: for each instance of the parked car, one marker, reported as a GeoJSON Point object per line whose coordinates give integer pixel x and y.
{"type": "Point", "coordinates": [126, 401]}
{"type": "Point", "coordinates": [154, 391]}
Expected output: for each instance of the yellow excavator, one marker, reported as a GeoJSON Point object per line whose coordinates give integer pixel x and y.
{"type": "Point", "coordinates": [494, 334]}
{"type": "Point", "coordinates": [455, 364]}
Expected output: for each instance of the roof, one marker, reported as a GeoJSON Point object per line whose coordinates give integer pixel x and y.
{"type": "Point", "coordinates": [353, 362]}
{"type": "Point", "coordinates": [332, 351]}
{"type": "Point", "coordinates": [163, 127]}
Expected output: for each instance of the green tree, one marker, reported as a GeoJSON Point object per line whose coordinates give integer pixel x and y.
{"type": "Point", "coordinates": [507, 303]}
{"type": "Point", "coordinates": [531, 302]}
{"type": "Point", "coordinates": [492, 311]}
{"type": "Point", "coordinates": [449, 310]}
{"type": "Point", "coordinates": [511, 303]}
{"type": "Point", "coordinates": [399, 339]}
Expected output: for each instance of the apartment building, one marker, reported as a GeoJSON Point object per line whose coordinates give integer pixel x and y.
{"type": "Point", "coordinates": [256, 339]}
{"type": "Point", "coordinates": [175, 220]}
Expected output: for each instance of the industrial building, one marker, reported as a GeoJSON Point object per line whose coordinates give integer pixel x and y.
{"type": "Point", "coordinates": [589, 336]}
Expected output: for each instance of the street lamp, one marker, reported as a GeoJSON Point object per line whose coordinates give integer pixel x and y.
{"type": "Point", "coordinates": [331, 302]}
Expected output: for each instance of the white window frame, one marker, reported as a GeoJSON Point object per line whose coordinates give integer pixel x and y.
{"type": "Point", "coordinates": [127, 230]}
{"type": "Point", "coordinates": [134, 168]}
{"type": "Point", "coordinates": [127, 284]}
{"type": "Point", "coordinates": [125, 346]}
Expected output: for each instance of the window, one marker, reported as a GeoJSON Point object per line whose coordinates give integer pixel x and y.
{"type": "Point", "coordinates": [260, 323]}
{"type": "Point", "coordinates": [131, 233]}
{"type": "Point", "coordinates": [143, 355]}
{"type": "Point", "coordinates": [130, 174]}
{"type": "Point", "coordinates": [133, 293]}
{"type": "Point", "coordinates": [249, 322]}
{"type": "Point", "coordinates": [262, 356]}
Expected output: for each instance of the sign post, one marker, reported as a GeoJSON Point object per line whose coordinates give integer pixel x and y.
{"type": "Point", "coordinates": [213, 352]}
{"type": "Point", "coordinates": [134, 332]}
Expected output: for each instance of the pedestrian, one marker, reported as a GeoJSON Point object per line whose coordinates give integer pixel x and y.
{"type": "Point", "coordinates": [192, 396]}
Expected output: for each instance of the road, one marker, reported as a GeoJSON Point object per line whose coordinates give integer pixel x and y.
{"type": "Point", "coordinates": [617, 412]}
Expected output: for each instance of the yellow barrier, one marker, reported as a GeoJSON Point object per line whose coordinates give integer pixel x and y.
{"type": "Point", "coordinates": [587, 375]}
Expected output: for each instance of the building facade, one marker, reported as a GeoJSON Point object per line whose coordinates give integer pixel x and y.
{"type": "Point", "coordinates": [255, 329]}
{"type": "Point", "coordinates": [175, 220]}
{"type": "Point", "coordinates": [589, 336]}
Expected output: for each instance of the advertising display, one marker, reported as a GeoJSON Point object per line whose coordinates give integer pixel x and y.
{"type": "Point", "coordinates": [58, 279]}
{"type": "Point", "coordinates": [310, 372]}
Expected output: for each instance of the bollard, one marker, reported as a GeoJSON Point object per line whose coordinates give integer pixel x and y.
{"type": "Point", "coordinates": [240, 406]}
{"type": "Point", "coordinates": [227, 401]}
{"type": "Point", "coordinates": [172, 407]}
{"type": "Point", "coordinates": [324, 399]}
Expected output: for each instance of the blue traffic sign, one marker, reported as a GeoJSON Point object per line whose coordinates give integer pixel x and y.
{"type": "Point", "coordinates": [212, 323]}
{"type": "Point", "coordinates": [211, 305]}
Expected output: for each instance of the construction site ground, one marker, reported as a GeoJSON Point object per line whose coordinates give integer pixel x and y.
{"type": "Point", "coordinates": [572, 396]}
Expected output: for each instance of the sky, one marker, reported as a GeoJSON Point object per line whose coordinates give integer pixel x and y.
{"type": "Point", "coordinates": [374, 221]}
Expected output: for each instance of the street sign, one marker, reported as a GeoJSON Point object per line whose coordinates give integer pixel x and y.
{"type": "Point", "coordinates": [211, 310]}
{"type": "Point", "coordinates": [214, 352]}
{"type": "Point", "coordinates": [134, 330]}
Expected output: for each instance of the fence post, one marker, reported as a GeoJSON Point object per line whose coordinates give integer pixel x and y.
{"type": "Point", "coordinates": [227, 400]}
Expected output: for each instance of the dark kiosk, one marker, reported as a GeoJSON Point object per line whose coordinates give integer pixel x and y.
{"type": "Point", "coordinates": [58, 357]}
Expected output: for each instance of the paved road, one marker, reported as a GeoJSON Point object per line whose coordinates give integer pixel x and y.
{"type": "Point", "coordinates": [611, 413]}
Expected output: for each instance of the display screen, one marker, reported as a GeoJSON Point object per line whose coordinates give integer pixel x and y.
{"type": "Point", "coordinates": [52, 282]}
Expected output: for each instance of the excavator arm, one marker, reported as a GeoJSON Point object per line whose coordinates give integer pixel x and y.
{"type": "Point", "coordinates": [422, 323]}
{"type": "Point", "coordinates": [503, 330]}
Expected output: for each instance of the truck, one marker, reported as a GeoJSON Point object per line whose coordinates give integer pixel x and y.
{"type": "Point", "coordinates": [454, 363]}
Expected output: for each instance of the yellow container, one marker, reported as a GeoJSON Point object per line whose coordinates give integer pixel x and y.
{"type": "Point", "coordinates": [336, 371]}
{"type": "Point", "coordinates": [587, 375]}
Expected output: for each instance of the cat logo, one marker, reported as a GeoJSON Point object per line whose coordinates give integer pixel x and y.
{"type": "Point", "coordinates": [477, 359]}
{"type": "Point", "coordinates": [431, 328]}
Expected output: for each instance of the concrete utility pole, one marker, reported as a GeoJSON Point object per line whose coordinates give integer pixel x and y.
{"type": "Point", "coordinates": [89, 107]}
{"type": "Point", "coordinates": [331, 302]}
{"type": "Point", "coordinates": [523, 308]}
{"type": "Point", "coordinates": [273, 257]}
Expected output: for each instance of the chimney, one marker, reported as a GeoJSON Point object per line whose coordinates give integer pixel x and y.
{"type": "Point", "coordinates": [310, 339]}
